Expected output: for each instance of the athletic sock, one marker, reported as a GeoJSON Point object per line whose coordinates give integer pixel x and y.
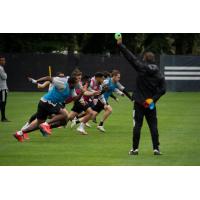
{"type": "Point", "coordinates": [82, 125]}
{"type": "Point", "coordinates": [78, 121]}
{"type": "Point", "coordinates": [25, 126]}
{"type": "Point", "coordinates": [19, 133]}
{"type": "Point", "coordinates": [101, 123]}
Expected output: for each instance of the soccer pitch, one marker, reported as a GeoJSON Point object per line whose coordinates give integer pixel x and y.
{"type": "Point", "coordinates": [179, 128]}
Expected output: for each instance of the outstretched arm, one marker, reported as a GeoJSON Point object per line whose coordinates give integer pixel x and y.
{"type": "Point", "coordinates": [43, 79]}
{"type": "Point", "coordinates": [43, 85]}
{"type": "Point", "coordinates": [127, 94]}
{"type": "Point", "coordinates": [46, 78]}
{"type": "Point", "coordinates": [133, 60]}
{"type": "Point", "coordinates": [114, 97]}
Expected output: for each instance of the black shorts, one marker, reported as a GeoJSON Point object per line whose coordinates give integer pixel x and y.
{"type": "Point", "coordinates": [62, 105]}
{"type": "Point", "coordinates": [98, 107]}
{"type": "Point", "coordinates": [45, 109]}
{"type": "Point", "coordinates": [79, 108]}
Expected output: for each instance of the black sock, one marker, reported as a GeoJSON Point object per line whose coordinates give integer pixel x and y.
{"type": "Point", "coordinates": [78, 121]}
{"type": "Point", "coordinates": [101, 123]}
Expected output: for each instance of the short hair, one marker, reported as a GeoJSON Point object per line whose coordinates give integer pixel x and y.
{"type": "Point", "coordinates": [72, 80]}
{"type": "Point", "coordinates": [106, 74]}
{"type": "Point", "coordinates": [76, 72]}
{"type": "Point", "coordinates": [85, 79]}
{"type": "Point", "coordinates": [149, 56]}
{"type": "Point", "coordinates": [115, 72]}
{"type": "Point", "coordinates": [58, 73]}
{"type": "Point", "coordinates": [99, 75]}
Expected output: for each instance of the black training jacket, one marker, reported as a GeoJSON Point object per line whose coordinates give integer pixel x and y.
{"type": "Point", "coordinates": [150, 83]}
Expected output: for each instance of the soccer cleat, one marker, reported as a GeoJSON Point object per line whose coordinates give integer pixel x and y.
{"type": "Point", "coordinates": [157, 152]}
{"type": "Point", "coordinates": [88, 125]}
{"type": "Point", "coordinates": [73, 123]}
{"type": "Point", "coordinates": [19, 137]}
{"type": "Point", "coordinates": [101, 128]}
{"type": "Point", "coordinates": [133, 152]}
{"type": "Point", "coordinates": [26, 137]}
{"type": "Point", "coordinates": [45, 129]}
{"type": "Point", "coordinates": [82, 131]}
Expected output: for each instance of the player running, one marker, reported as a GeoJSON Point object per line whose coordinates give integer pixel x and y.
{"type": "Point", "coordinates": [43, 85]}
{"type": "Point", "coordinates": [85, 104]}
{"type": "Point", "coordinates": [50, 104]}
{"type": "Point", "coordinates": [113, 85]}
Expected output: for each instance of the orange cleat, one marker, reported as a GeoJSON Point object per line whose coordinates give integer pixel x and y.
{"type": "Point", "coordinates": [20, 138]}
{"type": "Point", "coordinates": [26, 137]}
{"type": "Point", "coordinates": [45, 129]}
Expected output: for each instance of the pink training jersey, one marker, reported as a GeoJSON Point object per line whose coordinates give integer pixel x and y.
{"type": "Point", "coordinates": [94, 85]}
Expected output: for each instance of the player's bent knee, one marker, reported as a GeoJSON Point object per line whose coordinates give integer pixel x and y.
{"type": "Point", "coordinates": [110, 109]}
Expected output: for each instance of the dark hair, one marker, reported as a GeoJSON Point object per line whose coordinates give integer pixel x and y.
{"type": "Point", "coordinates": [72, 80]}
{"type": "Point", "coordinates": [85, 79]}
{"type": "Point", "coordinates": [99, 75]}
{"type": "Point", "coordinates": [58, 73]}
{"type": "Point", "coordinates": [2, 56]}
{"type": "Point", "coordinates": [115, 72]}
{"type": "Point", "coordinates": [149, 56]}
{"type": "Point", "coordinates": [76, 72]}
{"type": "Point", "coordinates": [106, 74]}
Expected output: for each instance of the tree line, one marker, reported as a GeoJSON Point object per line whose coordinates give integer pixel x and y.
{"type": "Point", "coordinates": [100, 43]}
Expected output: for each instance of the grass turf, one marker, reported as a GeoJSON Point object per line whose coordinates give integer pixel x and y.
{"type": "Point", "coordinates": [179, 125]}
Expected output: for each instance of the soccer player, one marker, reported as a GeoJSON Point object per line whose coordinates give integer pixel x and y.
{"type": "Point", "coordinates": [50, 104]}
{"type": "Point", "coordinates": [3, 89]}
{"type": "Point", "coordinates": [42, 86]}
{"type": "Point", "coordinates": [107, 75]}
{"type": "Point", "coordinates": [150, 86]}
{"type": "Point", "coordinates": [85, 104]}
{"type": "Point", "coordinates": [112, 85]}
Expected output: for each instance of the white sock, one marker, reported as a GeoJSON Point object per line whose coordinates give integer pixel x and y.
{"type": "Point", "coordinates": [25, 126]}
{"type": "Point", "coordinates": [19, 133]}
{"type": "Point", "coordinates": [82, 125]}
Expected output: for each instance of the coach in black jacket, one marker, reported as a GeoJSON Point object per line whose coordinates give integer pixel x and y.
{"type": "Point", "coordinates": [150, 86]}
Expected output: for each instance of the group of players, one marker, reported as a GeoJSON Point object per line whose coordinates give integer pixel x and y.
{"type": "Point", "coordinates": [89, 96]}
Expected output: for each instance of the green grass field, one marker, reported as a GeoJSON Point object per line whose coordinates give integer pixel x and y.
{"type": "Point", "coordinates": [179, 128]}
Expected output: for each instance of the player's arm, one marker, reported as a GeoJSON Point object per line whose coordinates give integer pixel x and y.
{"type": "Point", "coordinates": [114, 97]}
{"type": "Point", "coordinates": [43, 79]}
{"type": "Point", "coordinates": [161, 90]}
{"type": "Point", "coordinates": [76, 97]}
{"type": "Point", "coordinates": [133, 60]}
{"type": "Point", "coordinates": [91, 93]}
{"type": "Point", "coordinates": [122, 89]}
{"type": "Point", "coordinates": [3, 74]}
{"type": "Point", "coordinates": [43, 85]}
{"type": "Point", "coordinates": [46, 78]}
{"type": "Point", "coordinates": [127, 94]}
